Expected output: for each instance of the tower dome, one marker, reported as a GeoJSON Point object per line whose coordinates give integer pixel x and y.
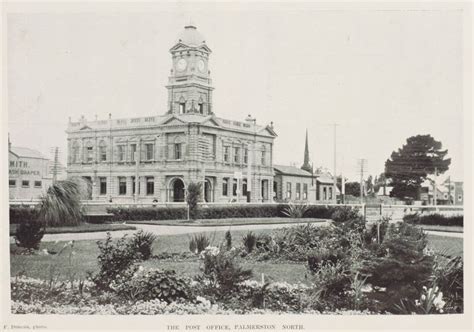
{"type": "Point", "coordinates": [190, 36]}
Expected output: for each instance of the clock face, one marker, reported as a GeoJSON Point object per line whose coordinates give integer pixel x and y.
{"type": "Point", "coordinates": [182, 64]}
{"type": "Point", "coordinates": [201, 66]}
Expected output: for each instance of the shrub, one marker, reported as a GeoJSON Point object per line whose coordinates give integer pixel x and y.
{"type": "Point", "coordinates": [151, 284]}
{"type": "Point", "coordinates": [345, 213]}
{"type": "Point", "coordinates": [29, 234]}
{"type": "Point", "coordinates": [198, 243]}
{"type": "Point", "coordinates": [249, 240]}
{"type": "Point", "coordinates": [142, 242]}
{"type": "Point", "coordinates": [221, 270]}
{"type": "Point", "coordinates": [21, 214]}
{"type": "Point", "coordinates": [295, 210]}
{"type": "Point", "coordinates": [193, 196]}
{"type": "Point", "coordinates": [448, 275]}
{"type": "Point", "coordinates": [228, 240]}
{"type": "Point", "coordinates": [434, 219]}
{"type": "Point", "coordinates": [114, 259]}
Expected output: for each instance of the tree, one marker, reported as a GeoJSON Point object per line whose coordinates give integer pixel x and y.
{"type": "Point", "coordinates": [192, 198]}
{"type": "Point", "coordinates": [61, 205]}
{"type": "Point", "coordinates": [369, 185]}
{"type": "Point", "coordinates": [353, 188]}
{"type": "Point", "coordinates": [411, 165]}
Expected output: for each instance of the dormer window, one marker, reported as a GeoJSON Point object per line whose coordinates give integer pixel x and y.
{"type": "Point", "coordinates": [182, 108]}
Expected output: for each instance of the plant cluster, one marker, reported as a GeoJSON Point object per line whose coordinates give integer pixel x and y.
{"type": "Point", "coordinates": [198, 243]}
{"type": "Point", "coordinates": [434, 219]}
{"type": "Point", "coordinates": [119, 257]}
{"type": "Point", "coordinates": [145, 285]}
{"type": "Point", "coordinates": [138, 214]}
{"type": "Point", "coordinates": [295, 210]}
{"type": "Point", "coordinates": [23, 214]}
{"type": "Point", "coordinates": [29, 234]}
{"type": "Point", "coordinates": [193, 196]}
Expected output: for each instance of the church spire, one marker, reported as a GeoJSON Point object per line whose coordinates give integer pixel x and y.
{"type": "Point", "coordinates": [306, 166]}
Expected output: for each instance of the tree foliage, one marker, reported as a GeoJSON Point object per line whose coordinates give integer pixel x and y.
{"type": "Point", "coordinates": [410, 166]}
{"type": "Point", "coordinates": [192, 198]}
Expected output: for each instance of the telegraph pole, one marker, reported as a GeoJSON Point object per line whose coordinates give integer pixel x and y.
{"type": "Point", "coordinates": [55, 166]}
{"type": "Point", "coordinates": [362, 163]}
{"type": "Point", "coordinates": [435, 194]}
{"type": "Point", "coordinates": [334, 187]}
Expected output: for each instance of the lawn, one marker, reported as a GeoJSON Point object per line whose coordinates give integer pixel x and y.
{"type": "Point", "coordinates": [86, 252]}
{"type": "Point", "coordinates": [82, 228]}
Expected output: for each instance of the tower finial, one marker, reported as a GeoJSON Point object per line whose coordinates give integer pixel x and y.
{"type": "Point", "coordinates": [306, 166]}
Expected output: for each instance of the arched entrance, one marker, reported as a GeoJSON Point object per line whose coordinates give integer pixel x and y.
{"type": "Point", "coordinates": [176, 190]}
{"type": "Point", "coordinates": [208, 191]}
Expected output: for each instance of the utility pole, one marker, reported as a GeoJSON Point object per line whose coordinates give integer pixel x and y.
{"type": "Point", "coordinates": [137, 162]}
{"type": "Point", "coordinates": [435, 194]}
{"type": "Point", "coordinates": [55, 165]}
{"type": "Point", "coordinates": [334, 186]}
{"type": "Point", "coordinates": [362, 164]}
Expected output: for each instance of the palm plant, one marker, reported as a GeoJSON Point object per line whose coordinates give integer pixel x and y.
{"type": "Point", "coordinates": [294, 210]}
{"type": "Point", "coordinates": [61, 204]}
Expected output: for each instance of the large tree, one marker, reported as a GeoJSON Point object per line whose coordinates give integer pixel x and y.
{"type": "Point", "coordinates": [410, 166]}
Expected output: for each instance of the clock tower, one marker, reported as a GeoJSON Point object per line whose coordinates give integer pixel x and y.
{"type": "Point", "coordinates": [190, 86]}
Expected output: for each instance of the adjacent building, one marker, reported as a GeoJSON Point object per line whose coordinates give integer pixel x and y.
{"type": "Point", "coordinates": [154, 158]}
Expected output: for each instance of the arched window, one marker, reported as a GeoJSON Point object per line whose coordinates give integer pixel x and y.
{"type": "Point", "coordinates": [102, 151]}
{"type": "Point", "coordinates": [89, 152]}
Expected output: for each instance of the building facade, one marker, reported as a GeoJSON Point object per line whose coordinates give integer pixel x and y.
{"type": "Point", "coordinates": [28, 174]}
{"type": "Point", "coordinates": [154, 158]}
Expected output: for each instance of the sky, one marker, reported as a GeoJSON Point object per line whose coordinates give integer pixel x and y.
{"type": "Point", "coordinates": [381, 75]}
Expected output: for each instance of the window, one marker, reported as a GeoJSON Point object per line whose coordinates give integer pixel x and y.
{"type": "Point", "coordinates": [149, 151]}
{"type": "Point", "coordinates": [325, 193]}
{"type": "Point", "coordinates": [25, 183]}
{"type": "Point", "coordinates": [225, 186]}
{"type": "Point", "coordinates": [121, 152]}
{"type": "Point", "coordinates": [177, 151]}
{"type": "Point", "coordinates": [305, 191]}
{"type": "Point", "coordinates": [460, 198]}
{"type": "Point", "coordinates": [75, 152]}
{"type": "Point", "coordinates": [288, 190]}
{"type": "Point", "coordinates": [133, 185]}
{"type": "Point", "coordinates": [12, 164]}
{"type": "Point", "coordinates": [122, 186]}
{"type": "Point", "coordinates": [133, 150]}
{"type": "Point", "coordinates": [330, 193]}
{"type": "Point", "coordinates": [150, 185]}
{"type": "Point", "coordinates": [244, 187]}
{"type": "Point", "coordinates": [12, 183]}
{"type": "Point", "coordinates": [201, 108]}
{"type": "Point", "coordinates": [246, 156]}
{"type": "Point", "coordinates": [237, 155]}
{"type": "Point", "coordinates": [102, 185]}
{"type": "Point", "coordinates": [234, 187]}
{"type": "Point", "coordinates": [182, 108]}
{"type": "Point", "coordinates": [38, 184]}
{"type": "Point", "coordinates": [89, 154]}
{"type": "Point", "coordinates": [102, 151]}
{"type": "Point", "coordinates": [226, 154]}
{"type": "Point", "coordinates": [262, 157]}
{"type": "Point", "coordinates": [298, 190]}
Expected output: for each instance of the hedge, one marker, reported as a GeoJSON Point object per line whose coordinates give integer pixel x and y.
{"type": "Point", "coordinates": [434, 219]}
{"type": "Point", "coordinates": [20, 214]}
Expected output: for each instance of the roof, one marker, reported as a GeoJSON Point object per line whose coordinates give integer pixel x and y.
{"type": "Point", "coordinates": [26, 153]}
{"type": "Point", "coordinates": [190, 36]}
{"type": "Point", "coordinates": [291, 170]}
{"type": "Point", "coordinates": [324, 178]}
{"type": "Point", "coordinates": [388, 190]}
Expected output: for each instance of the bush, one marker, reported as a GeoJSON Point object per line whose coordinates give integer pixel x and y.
{"type": "Point", "coordinates": [344, 213]}
{"type": "Point", "coordinates": [22, 214]}
{"type": "Point", "coordinates": [193, 196]}
{"type": "Point", "coordinates": [249, 240]}
{"type": "Point", "coordinates": [142, 242]}
{"type": "Point", "coordinates": [151, 284]}
{"type": "Point", "coordinates": [198, 243]}
{"type": "Point", "coordinates": [228, 240]}
{"type": "Point", "coordinates": [29, 234]}
{"type": "Point", "coordinates": [448, 275]}
{"type": "Point", "coordinates": [114, 259]}
{"type": "Point", "coordinates": [295, 210]}
{"type": "Point", "coordinates": [221, 272]}
{"type": "Point", "coordinates": [434, 219]}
